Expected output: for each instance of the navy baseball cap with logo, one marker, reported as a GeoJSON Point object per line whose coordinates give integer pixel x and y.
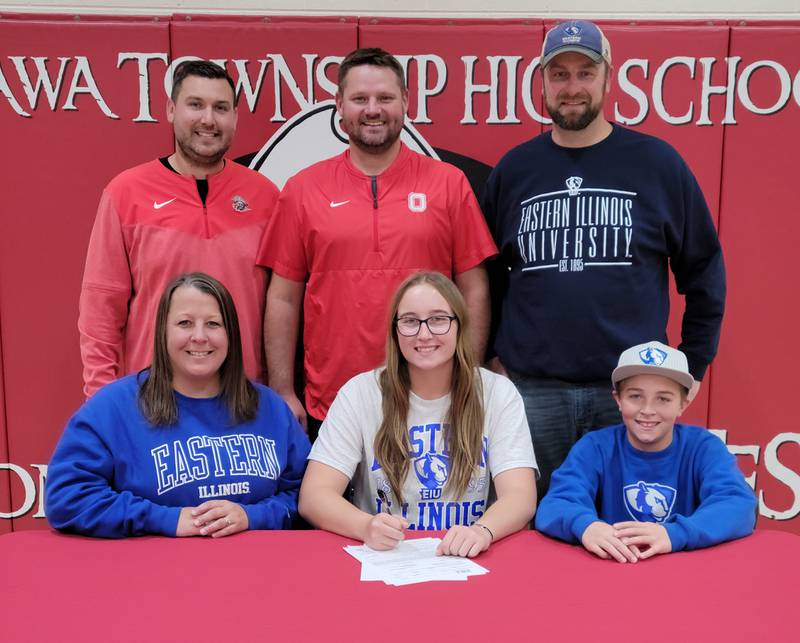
{"type": "Point", "coordinates": [580, 36]}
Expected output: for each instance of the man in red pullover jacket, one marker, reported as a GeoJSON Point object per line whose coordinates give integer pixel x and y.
{"type": "Point", "coordinates": [348, 230]}
{"type": "Point", "coordinates": [194, 210]}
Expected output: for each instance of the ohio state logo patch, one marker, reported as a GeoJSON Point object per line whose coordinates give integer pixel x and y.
{"type": "Point", "coordinates": [417, 202]}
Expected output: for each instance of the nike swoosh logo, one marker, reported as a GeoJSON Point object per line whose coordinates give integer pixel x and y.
{"type": "Point", "coordinates": [336, 204]}
{"type": "Point", "coordinates": [158, 206]}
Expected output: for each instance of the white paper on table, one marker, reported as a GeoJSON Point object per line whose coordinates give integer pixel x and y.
{"type": "Point", "coordinates": [368, 572]}
{"type": "Point", "coordinates": [412, 561]}
{"type": "Point", "coordinates": [424, 576]}
{"type": "Point", "coordinates": [408, 575]}
{"type": "Point", "coordinates": [407, 548]}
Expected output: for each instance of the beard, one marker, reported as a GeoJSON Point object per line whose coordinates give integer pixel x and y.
{"type": "Point", "coordinates": [200, 155]}
{"type": "Point", "coordinates": [574, 122]}
{"type": "Point", "coordinates": [375, 143]}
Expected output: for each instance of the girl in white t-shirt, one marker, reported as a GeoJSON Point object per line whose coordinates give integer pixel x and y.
{"type": "Point", "coordinates": [422, 438]}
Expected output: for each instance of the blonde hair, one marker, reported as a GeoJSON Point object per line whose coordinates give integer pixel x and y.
{"type": "Point", "coordinates": [464, 435]}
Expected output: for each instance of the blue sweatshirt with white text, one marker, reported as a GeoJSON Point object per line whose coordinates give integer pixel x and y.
{"type": "Point", "coordinates": [115, 475]}
{"type": "Point", "coordinates": [587, 237]}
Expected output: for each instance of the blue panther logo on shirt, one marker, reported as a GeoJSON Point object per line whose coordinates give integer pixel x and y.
{"type": "Point", "coordinates": [654, 356]}
{"type": "Point", "coordinates": [432, 470]}
{"type": "Point", "coordinates": [649, 501]}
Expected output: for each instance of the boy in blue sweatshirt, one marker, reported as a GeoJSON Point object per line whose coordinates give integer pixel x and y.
{"type": "Point", "coordinates": [650, 485]}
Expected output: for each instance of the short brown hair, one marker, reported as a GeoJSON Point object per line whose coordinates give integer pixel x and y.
{"type": "Point", "coordinates": [370, 56]}
{"type": "Point", "coordinates": [203, 69]}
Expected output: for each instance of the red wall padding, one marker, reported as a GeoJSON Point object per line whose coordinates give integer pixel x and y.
{"type": "Point", "coordinates": [5, 487]}
{"type": "Point", "coordinates": [254, 39]}
{"type": "Point", "coordinates": [54, 167]}
{"type": "Point", "coordinates": [452, 40]}
{"type": "Point", "coordinates": [58, 160]}
{"type": "Point", "coordinates": [756, 372]}
{"type": "Point", "coordinates": [700, 146]}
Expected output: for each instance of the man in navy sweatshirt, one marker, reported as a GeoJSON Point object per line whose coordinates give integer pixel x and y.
{"type": "Point", "coordinates": [589, 218]}
{"type": "Point", "coordinates": [648, 486]}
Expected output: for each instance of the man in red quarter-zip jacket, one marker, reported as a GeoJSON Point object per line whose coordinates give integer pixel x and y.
{"type": "Point", "coordinates": [349, 229]}
{"type": "Point", "coordinates": [194, 210]}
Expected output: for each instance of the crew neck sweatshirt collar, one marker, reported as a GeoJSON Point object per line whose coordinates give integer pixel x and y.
{"type": "Point", "coordinates": [664, 454]}
{"type": "Point", "coordinates": [180, 397]}
{"type": "Point", "coordinates": [606, 141]}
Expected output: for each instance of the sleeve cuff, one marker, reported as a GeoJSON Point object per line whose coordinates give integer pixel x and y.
{"type": "Point", "coordinates": [580, 524]}
{"type": "Point", "coordinates": [274, 515]}
{"type": "Point", "coordinates": [163, 520]}
{"type": "Point", "coordinates": [676, 535]}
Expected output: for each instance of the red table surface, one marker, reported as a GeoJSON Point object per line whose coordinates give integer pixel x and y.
{"type": "Point", "coordinates": [301, 586]}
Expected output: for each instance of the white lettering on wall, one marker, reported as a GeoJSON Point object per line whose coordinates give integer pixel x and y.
{"type": "Point", "coordinates": [527, 93]}
{"type": "Point", "coordinates": [425, 91]}
{"type": "Point", "coordinates": [143, 62]}
{"type": "Point", "coordinates": [495, 99]}
{"type": "Point", "coordinates": [708, 90]}
{"type": "Point", "coordinates": [471, 88]}
{"type": "Point", "coordinates": [244, 85]}
{"type": "Point", "coordinates": [743, 87]}
{"type": "Point", "coordinates": [633, 91]}
{"type": "Point", "coordinates": [29, 488]}
{"type": "Point", "coordinates": [43, 80]}
{"type": "Point", "coordinates": [783, 474]}
{"type": "Point", "coordinates": [323, 81]}
{"type": "Point", "coordinates": [774, 467]}
{"type": "Point", "coordinates": [84, 71]}
{"type": "Point", "coordinates": [658, 86]}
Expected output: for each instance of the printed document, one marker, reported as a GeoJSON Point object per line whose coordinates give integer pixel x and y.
{"type": "Point", "coordinates": [412, 561]}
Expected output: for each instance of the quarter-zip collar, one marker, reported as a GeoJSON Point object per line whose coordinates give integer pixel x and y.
{"type": "Point", "coordinates": [214, 181]}
{"type": "Point", "coordinates": [389, 174]}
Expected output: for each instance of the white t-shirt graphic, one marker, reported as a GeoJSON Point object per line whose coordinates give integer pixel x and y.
{"type": "Point", "coordinates": [347, 437]}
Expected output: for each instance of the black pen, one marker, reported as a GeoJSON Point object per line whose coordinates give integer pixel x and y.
{"type": "Point", "coordinates": [385, 501]}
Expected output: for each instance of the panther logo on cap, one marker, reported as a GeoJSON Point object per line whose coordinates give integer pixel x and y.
{"type": "Point", "coordinates": [652, 356]}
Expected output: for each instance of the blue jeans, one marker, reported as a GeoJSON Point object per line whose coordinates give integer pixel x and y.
{"type": "Point", "coordinates": [559, 414]}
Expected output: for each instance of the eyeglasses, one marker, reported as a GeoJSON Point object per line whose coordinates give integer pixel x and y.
{"type": "Point", "coordinates": [437, 325]}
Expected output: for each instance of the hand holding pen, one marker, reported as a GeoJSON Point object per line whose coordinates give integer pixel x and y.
{"type": "Point", "coordinates": [384, 531]}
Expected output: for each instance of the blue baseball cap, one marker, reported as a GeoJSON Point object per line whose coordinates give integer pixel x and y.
{"type": "Point", "coordinates": [580, 36]}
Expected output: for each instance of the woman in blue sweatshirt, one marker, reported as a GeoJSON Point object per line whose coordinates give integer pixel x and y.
{"type": "Point", "coordinates": [187, 447]}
